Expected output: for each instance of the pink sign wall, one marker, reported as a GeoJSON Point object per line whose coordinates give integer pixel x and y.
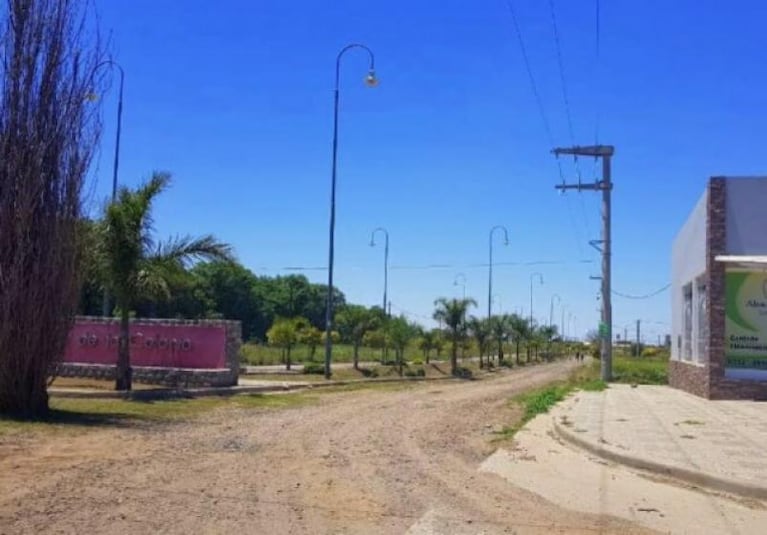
{"type": "Point", "coordinates": [168, 346]}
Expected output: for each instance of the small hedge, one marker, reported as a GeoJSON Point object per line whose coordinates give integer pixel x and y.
{"type": "Point", "coordinates": [314, 368]}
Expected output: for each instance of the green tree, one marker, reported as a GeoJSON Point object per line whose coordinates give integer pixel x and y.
{"type": "Point", "coordinates": [353, 322]}
{"type": "Point", "coordinates": [400, 333]}
{"type": "Point", "coordinates": [375, 339]}
{"type": "Point", "coordinates": [426, 343]}
{"type": "Point", "coordinates": [311, 337]}
{"type": "Point", "coordinates": [439, 342]}
{"type": "Point", "coordinates": [480, 330]}
{"type": "Point", "coordinates": [229, 289]}
{"type": "Point", "coordinates": [548, 333]}
{"type": "Point", "coordinates": [133, 265]}
{"type": "Point", "coordinates": [284, 333]}
{"type": "Point", "coordinates": [453, 313]}
{"type": "Point", "coordinates": [520, 331]}
{"type": "Point", "coordinates": [499, 327]}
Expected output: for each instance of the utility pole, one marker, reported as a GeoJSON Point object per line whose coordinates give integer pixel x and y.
{"type": "Point", "coordinates": [604, 185]}
{"type": "Point", "coordinates": [639, 352]}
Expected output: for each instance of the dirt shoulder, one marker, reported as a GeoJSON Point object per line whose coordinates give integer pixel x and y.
{"type": "Point", "coordinates": [366, 461]}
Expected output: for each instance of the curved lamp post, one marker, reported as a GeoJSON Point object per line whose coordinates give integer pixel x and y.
{"type": "Point", "coordinates": [386, 261]}
{"type": "Point", "coordinates": [532, 277]}
{"type": "Point", "coordinates": [461, 276]}
{"type": "Point", "coordinates": [370, 81]}
{"type": "Point", "coordinates": [490, 270]}
{"type": "Point", "coordinates": [116, 163]}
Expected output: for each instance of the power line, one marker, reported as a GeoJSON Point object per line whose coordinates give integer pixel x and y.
{"type": "Point", "coordinates": [646, 296]}
{"type": "Point", "coordinates": [541, 109]}
{"type": "Point", "coordinates": [530, 75]}
{"type": "Point", "coordinates": [568, 112]}
{"type": "Point", "coordinates": [539, 262]}
{"type": "Point", "coordinates": [562, 78]}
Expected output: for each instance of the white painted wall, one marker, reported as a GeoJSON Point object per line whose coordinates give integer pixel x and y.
{"type": "Point", "coordinates": [688, 261]}
{"type": "Point", "coordinates": [746, 206]}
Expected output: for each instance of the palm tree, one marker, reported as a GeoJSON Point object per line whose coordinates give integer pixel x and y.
{"type": "Point", "coordinates": [499, 327]}
{"type": "Point", "coordinates": [426, 343]}
{"type": "Point", "coordinates": [353, 322]}
{"type": "Point", "coordinates": [520, 330]}
{"type": "Point", "coordinates": [453, 313]}
{"type": "Point", "coordinates": [400, 332]}
{"type": "Point", "coordinates": [547, 334]}
{"type": "Point", "coordinates": [133, 266]}
{"type": "Point", "coordinates": [480, 330]}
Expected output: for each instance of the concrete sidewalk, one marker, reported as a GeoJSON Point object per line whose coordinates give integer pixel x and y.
{"type": "Point", "coordinates": [714, 444]}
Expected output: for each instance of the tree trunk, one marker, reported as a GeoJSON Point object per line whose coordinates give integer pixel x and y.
{"type": "Point", "coordinates": [124, 380]}
{"type": "Point", "coordinates": [312, 352]}
{"type": "Point", "coordinates": [400, 355]}
{"type": "Point", "coordinates": [517, 356]}
{"type": "Point", "coordinates": [500, 352]}
{"type": "Point", "coordinates": [356, 355]}
{"type": "Point", "coordinates": [287, 358]}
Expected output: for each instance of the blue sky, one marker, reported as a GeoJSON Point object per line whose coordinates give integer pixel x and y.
{"type": "Point", "coordinates": [235, 99]}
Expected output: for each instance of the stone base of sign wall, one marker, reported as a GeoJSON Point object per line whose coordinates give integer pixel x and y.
{"type": "Point", "coordinates": [689, 377]}
{"type": "Point", "coordinates": [738, 389]}
{"type": "Point", "coordinates": [171, 377]}
{"type": "Point", "coordinates": [174, 377]}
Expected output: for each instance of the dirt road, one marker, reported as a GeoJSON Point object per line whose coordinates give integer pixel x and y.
{"type": "Point", "coordinates": [353, 462]}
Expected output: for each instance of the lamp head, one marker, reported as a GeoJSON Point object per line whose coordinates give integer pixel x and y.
{"type": "Point", "coordinates": [371, 80]}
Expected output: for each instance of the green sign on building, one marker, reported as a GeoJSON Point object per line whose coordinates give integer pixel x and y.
{"type": "Point", "coordinates": [746, 320]}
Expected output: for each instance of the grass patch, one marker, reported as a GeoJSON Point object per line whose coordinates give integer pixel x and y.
{"type": "Point", "coordinates": [541, 400]}
{"type": "Point", "coordinates": [82, 413]}
{"type": "Point", "coordinates": [640, 370]}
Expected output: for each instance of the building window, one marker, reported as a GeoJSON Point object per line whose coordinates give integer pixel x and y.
{"type": "Point", "coordinates": [687, 323]}
{"type": "Point", "coordinates": [702, 355]}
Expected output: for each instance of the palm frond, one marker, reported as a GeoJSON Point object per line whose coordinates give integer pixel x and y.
{"type": "Point", "coordinates": [186, 249]}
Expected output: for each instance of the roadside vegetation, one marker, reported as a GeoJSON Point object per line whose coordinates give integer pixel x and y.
{"type": "Point", "coordinates": [649, 369]}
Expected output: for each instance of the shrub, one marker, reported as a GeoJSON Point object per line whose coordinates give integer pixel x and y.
{"type": "Point", "coordinates": [314, 368]}
{"type": "Point", "coordinates": [369, 372]}
{"type": "Point", "coordinates": [650, 352]}
{"type": "Point", "coordinates": [463, 373]}
{"type": "Point", "coordinates": [417, 362]}
{"type": "Point", "coordinates": [419, 372]}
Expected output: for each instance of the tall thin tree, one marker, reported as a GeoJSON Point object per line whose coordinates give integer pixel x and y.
{"type": "Point", "coordinates": [48, 132]}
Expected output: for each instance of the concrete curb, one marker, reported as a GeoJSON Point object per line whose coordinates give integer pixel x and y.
{"type": "Point", "coordinates": [181, 393]}
{"type": "Point", "coordinates": [692, 477]}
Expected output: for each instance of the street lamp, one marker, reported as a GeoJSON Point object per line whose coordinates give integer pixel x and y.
{"type": "Point", "coordinates": [551, 309]}
{"type": "Point", "coordinates": [386, 260]}
{"type": "Point", "coordinates": [116, 163]}
{"type": "Point", "coordinates": [540, 278]}
{"type": "Point", "coordinates": [462, 284]}
{"type": "Point", "coordinates": [370, 81]}
{"type": "Point", "coordinates": [490, 270]}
